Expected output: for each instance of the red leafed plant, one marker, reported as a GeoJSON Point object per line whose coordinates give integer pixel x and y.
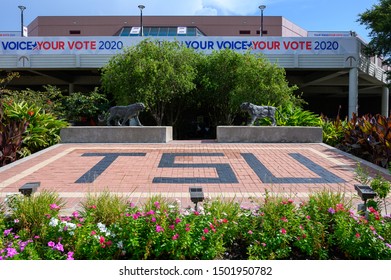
{"type": "Point", "coordinates": [11, 132]}
{"type": "Point", "coordinates": [369, 137]}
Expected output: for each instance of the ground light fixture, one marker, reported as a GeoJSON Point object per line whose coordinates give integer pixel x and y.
{"type": "Point", "coordinates": [262, 7]}
{"type": "Point", "coordinates": [141, 7]}
{"type": "Point", "coordinates": [365, 192]}
{"type": "Point", "coordinates": [196, 195]}
{"type": "Point", "coordinates": [29, 188]}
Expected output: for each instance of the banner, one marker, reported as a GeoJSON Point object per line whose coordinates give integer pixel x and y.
{"type": "Point", "coordinates": [113, 45]}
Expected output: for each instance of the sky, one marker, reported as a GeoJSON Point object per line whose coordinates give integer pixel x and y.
{"type": "Point", "coordinates": [312, 15]}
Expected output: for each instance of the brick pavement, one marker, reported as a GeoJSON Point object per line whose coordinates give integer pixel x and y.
{"type": "Point", "coordinates": [240, 172]}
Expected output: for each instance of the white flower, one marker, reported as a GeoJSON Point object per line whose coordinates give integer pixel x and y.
{"type": "Point", "coordinates": [53, 222]}
{"type": "Point", "coordinates": [120, 245]}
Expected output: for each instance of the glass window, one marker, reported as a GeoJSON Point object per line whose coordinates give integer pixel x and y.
{"type": "Point", "coordinates": [172, 31]}
{"type": "Point", "coordinates": [154, 31]}
{"type": "Point", "coordinates": [163, 31]}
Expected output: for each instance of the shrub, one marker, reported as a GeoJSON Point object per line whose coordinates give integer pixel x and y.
{"type": "Point", "coordinates": [43, 129]}
{"type": "Point", "coordinates": [333, 130]}
{"type": "Point", "coordinates": [321, 228]}
{"type": "Point", "coordinates": [11, 136]}
{"type": "Point", "coordinates": [79, 106]}
{"type": "Point", "coordinates": [295, 116]}
{"type": "Point", "coordinates": [369, 137]}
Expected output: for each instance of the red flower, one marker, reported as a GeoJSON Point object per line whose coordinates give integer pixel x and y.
{"type": "Point", "coordinates": [203, 238]}
{"type": "Point", "coordinates": [358, 235]}
{"type": "Point", "coordinates": [283, 231]}
{"type": "Point", "coordinates": [30, 113]}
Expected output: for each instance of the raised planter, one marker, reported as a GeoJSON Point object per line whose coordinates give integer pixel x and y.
{"type": "Point", "coordinates": [269, 134]}
{"type": "Point", "coordinates": [116, 134]}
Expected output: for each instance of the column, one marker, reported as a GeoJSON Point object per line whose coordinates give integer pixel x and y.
{"type": "Point", "coordinates": [71, 88]}
{"type": "Point", "coordinates": [385, 101]}
{"type": "Point", "coordinates": [353, 91]}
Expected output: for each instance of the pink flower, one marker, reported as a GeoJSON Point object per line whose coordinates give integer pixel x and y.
{"type": "Point", "coordinates": [70, 256]}
{"type": "Point", "coordinates": [284, 219]}
{"type": "Point", "coordinates": [263, 244]}
{"type": "Point", "coordinates": [175, 237]}
{"type": "Point", "coordinates": [75, 214]}
{"type": "Point", "coordinates": [101, 240]}
{"type": "Point", "coordinates": [177, 220]}
{"type": "Point", "coordinates": [203, 238]}
{"type": "Point", "coordinates": [93, 206]}
{"type": "Point", "coordinates": [51, 244]}
{"type": "Point", "coordinates": [59, 247]}
{"type": "Point", "coordinates": [54, 206]}
{"type": "Point", "coordinates": [196, 213]}
{"type": "Point", "coordinates": [308, 217]}
{"type": "Point", "coordinates": [283, 231]}
{"type": "Point", "coordinates": [339, 207]}
{"type": "Point", "coordinates": [93, 232]}
{"type": "Point", "coordinates": [358, 235]}
{"type": "Point", "coordinates": [250, 232]}
{"type": "Point", "coordinates": [7, 232]}
{"type": "Point", "coordinates": [153, 220]}
{"type": "Point", "coordinates": [157, 204]}
{"type": "Point", "coordinates": [159, 228]}
{"type": "Point", "coordinates": [172, 227]}
{"type": "Point", "coordinates": [206, 230]}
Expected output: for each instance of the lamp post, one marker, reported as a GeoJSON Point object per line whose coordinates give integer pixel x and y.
{"type": "Point", "coordinates": [22, 8]}
{"type": "Point", "coordinates": [141, 7]}
{"type": "Point", "coordinates": [262, 7]}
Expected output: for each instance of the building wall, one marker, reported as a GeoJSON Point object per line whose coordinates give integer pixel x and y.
{"type": "Point", "coordinates": [209, 25]}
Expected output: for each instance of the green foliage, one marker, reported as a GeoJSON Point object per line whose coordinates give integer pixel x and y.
{"type": "Point", "coordinates": [107, 207]}
{"type": "Point", "coordinates": [227, 78]}
{"type": "Point", "coordinates": [155, 73]}
{"type": "Point", "coordinates": [89, 105]}
{"type": "Point", "coordinates": [291, 115]}
{"type": "Point", "coordinates": [34, 212]}
{"type": "Point", "coordinates": [369, 137]}
{"type": "Point", "coordinates": [323, 227]}
{"type": "Point", "coordinates": [333, 130]}
{"type": "Point", "coordinates": [378, 20]}
{"type": "Point", "coordinates": [43, 129]}
{"type": "Point", "coordinates": [50, 100]}
{"type": "Point", "coordinates": [11, 137]}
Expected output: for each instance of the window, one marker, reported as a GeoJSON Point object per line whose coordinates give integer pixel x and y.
{"type": "Point", "coordinates": [244, 32]}
{"type": "Point", "coordinates": [74, 32]}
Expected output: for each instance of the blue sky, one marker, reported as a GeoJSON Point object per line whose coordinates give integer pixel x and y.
{"type": "Point", "coordinates": [312, 15]}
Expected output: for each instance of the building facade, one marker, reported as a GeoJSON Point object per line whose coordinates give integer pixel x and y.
{"type": "Point", "coordinates": [328, 67]}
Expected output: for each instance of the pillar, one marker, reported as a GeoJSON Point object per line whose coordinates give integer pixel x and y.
{"type": "Point", "coordinates": [385, 97]}
{"type": "Point", "coordinates": [71, 88]}
{"type": "Point", "coordinates": [353, 91]}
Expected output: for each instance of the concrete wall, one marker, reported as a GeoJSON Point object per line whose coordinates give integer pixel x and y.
{"type": "Point", "coordinates": [209, 25]}
{"type": "Point", "coordinates": [116, 134]}
{"type": "Point", "coordinates": [269, 134]}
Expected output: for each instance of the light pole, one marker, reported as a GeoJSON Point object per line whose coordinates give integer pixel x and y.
{"type": "Point", "coordinates": [141, 7]}
{"type": "Point", "coordinates": [262, 7]}
{"type": "Point", "coordinates": [22, 8]}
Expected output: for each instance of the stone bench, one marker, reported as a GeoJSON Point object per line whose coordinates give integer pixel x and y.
{"type": "Point", "coordinates": [116, 134]}
{"type": "Point", "coordinates": [269, 134]}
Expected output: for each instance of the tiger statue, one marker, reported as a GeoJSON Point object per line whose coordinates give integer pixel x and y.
{"type": "Point", "coordinates": [259, 112]}
{"type": "Point", "coordinates": [120, 114]}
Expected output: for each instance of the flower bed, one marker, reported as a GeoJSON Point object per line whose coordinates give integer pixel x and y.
{"type": "Point", "coordinates": [109, 227]}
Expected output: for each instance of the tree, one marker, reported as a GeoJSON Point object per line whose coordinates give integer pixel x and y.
{"type": "Point", "coordinates": [229, 78]}
{"type": "Point", "coordinates": [378, 19]}
{"type": "Point", "coordinates": [157, 73]}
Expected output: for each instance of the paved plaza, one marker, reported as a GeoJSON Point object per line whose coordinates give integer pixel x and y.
{"type": "Point", "coordinates": [240, 172]}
